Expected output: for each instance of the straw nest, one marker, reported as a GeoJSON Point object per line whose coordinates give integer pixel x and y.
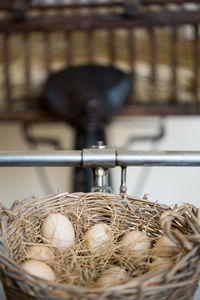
{"type": "Point", "coordinates": [77, 270]}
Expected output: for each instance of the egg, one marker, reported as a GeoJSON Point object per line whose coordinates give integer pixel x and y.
{"type": "Point", "coordinates": [111, 277]}
{"type": "Point", "coordinates": [164, 248]}
{"type": "Point", "coordinates": [160, 265]}
{"type": "Point", "coordinates": [39, 252]}
{"type": "Point", "coordinates": [98, 238]}
{"type": "Point", "coordinates": [136, 242]}
{"type": "Point", "coordinates": [58, 230]}
{"type": "Point", "coordinates": [39, 269]}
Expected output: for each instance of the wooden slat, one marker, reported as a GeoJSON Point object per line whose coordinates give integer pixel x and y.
{"type": "Point", "coordinates": [101, 22]}
{"type": "Point", "coordinates": [174, 56]}
{"type": "Point", "coordinates": [47, 54]}
{"type": "Point", "coordinates": [129, 110]}
{"type": "Point", "coordinates": [153, 51]}
{"type": "Point", "coordinates": [6, 70]}
{"type": "Point", "coordinates": [112, 51]}
{"type": "Point", "coordinates": [69, 52]}
{"type": "Point", "coordinates": [131, 49]}
{"type": "Point", "coordinates": [90, 45]}
{"type": "Point", "coordinates": [196, 63]}
{"type": "Point", "coordinates": [6, 4]}
{"type": "Point", "coordinates": [92, 8]}
{"type": "Point", "coordinates": [27, 61]}
{"type": "Point", "coordinates": [132, 59]}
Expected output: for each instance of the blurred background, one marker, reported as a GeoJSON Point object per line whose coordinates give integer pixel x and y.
{"type": "Point", "coordinates": [52, 95]}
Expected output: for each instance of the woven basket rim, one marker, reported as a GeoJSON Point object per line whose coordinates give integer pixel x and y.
{"type": "Point", "coordinates": [132, 283]}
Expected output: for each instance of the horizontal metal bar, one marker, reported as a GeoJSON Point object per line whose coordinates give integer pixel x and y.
{"type": "Point", "coordinates": [158, 158]}
{"type": "Point", "coordinates": [37, 158]}
{"type": "Point", "coordinates": [61, 6]}
{"type": "Point", "coordinates": [7, 4]}
{"type": "Point", "coordinates": [152, 109]}
{"type": "Point", "coordinates": [106, 158]}
{"type": "Point", "coordinates": [101, 22]}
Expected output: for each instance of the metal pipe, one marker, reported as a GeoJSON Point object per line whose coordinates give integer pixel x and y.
{"type": "Point", "coordinates": [158, 158]}
{"type": "Point", "coordinates": [37, 158]}
{"type": "Point", "coordinates": [105, 158]}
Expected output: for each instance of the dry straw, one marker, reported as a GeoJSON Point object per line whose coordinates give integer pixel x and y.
{"type": "Point", "coordinates": [77, 270]}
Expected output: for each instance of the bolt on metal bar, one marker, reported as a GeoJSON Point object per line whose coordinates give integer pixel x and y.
{"type": "Point", "coordinates": [105, 158]}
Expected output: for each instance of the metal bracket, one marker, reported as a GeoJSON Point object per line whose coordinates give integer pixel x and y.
{"type": "Point", "coordinates": [100, 162]}
{"type": "Point", "coordinates": [123, 187]}
{"type": "Point", "coordinates": [99, 156]}
{"type": "Point", "coordinates": [100, 181]}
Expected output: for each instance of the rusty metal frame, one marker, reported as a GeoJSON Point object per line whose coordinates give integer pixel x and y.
{"type": "Point", "coordinates": [7, 4]}
{"type": "Point", "coordinates": [101, 22]}
{"type": "Point", "coordinates": [108, 22]}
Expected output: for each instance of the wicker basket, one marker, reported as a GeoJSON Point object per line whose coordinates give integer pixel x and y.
{"type": "Point", "coordinates": [21, 224]}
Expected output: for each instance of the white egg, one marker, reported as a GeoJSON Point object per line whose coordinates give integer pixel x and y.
{"type": "Point", "coordinates": [160, 265]}
{"type": "Point", "coordinates": [164, 241]}
{"type": "Point", "coordinates": [39, 252]}
{"type": "Point", "coordinates": [135, 241]}
{"type": "Point", "coordinates": [58, 230]}
{"type": "Point", "coordinates": [98, 238]}
{"type": "Point", "coordinates": [113, 276]}
{"type": "Point", "coordinates": [164, 247]}
{"type": "Point", "coordinates": [39, 269]}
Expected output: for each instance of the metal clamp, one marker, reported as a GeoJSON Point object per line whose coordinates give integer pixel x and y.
{"type": "Point", "coordinates": [100, 159]}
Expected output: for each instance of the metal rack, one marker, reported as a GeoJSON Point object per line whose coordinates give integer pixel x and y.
{"type": "Point", "coordinates": [113, 19]}
{"type": "Point", "coordinates": [100, 160]}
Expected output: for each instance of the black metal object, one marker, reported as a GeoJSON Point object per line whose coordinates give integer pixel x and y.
{"type": "Point", "coordinates": [86, 97]}
{"type": "Point", "coordinates": [80, 93]}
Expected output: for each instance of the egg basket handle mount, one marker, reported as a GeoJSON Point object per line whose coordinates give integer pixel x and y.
{"type": "Point", "coordinates": [100, 159]}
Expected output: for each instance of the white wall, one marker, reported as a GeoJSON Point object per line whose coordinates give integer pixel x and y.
{"type": "Point", "coordinates": [166, 184]}
{"type": "Point", "coordinates": [17, 183]}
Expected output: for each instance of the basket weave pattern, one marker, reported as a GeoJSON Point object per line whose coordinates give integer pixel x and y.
{"type": "Point", "coordinates": [20, 226]}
